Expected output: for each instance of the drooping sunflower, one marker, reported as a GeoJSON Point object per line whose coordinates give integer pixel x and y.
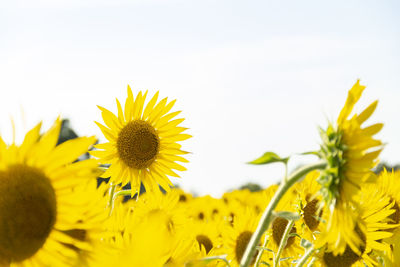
{"type": "Point", "coordinates": [350, 151]}
{"type": "Point", "coordinates": [142, 142]}
{"type": "Point", "coordinates": [39, 210]}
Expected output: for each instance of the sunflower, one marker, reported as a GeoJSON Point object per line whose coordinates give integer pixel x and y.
{"type": "Point", "coordinates": [388, 186]}
{"type": "Point", "coordinates": [184, 197]}
{"type": "Point", "coordinates": [92, 222]}
{"type": "Point", "coordinates": [38, 209]}
{"type": "Point", "coordinates": [351, 152]}
{"type": "Point", "coordinates": [146, 240]}
{"type": "Point", "coordinates": [373, 227]}
{"type": "Point", "coordinates": [150, 243]}
{"type": "Point", "coordinates": [206, 209]}
{"type": "Point", "coordinates": [165, 206]}
{"type": "Point", "coordinates": [236, 238]}
{"type": "Point", "coordinates": [309, 206]}
{"type": "Point", "coordinates": [207, 235]}
{"type": "Point", "coordinates": [142, 145]}
{"type": "Point", "coordinates": [292, 249]}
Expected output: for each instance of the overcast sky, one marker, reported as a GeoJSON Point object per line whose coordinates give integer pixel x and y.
{"type": "Point", "coordinates": [250, 76]}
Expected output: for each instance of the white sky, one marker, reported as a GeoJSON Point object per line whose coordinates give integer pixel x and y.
{"type": "Point", "coordinates": [250, 76]}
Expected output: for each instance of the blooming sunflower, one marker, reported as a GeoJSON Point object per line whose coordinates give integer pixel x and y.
{"type": "Point", "coordinates": [373, 227]}
{"type": "Point", "coordinates": [142, 143]}
{"type": "Point", "coordinates": [205, 208]}
{"type": "Point", "coordinates": [207, 235]}
{"type": "Point", "coordinates": [351, 152]}
{"type": "Point", "coordinates": [170, 214]}
{"type": "Point", "coordinates": [38, 219]}
{"type": "Point", "coordinates": [388, 186]}
{"type": "Point", "coordinates": [292, 249]}
{"type": "Point", "coordinates": [309, 205]}
{"type": "Point", "coordinates": [149, 244]}
{"type": "Point", "coordinates": [147, 241]}
{"type": "Point", "coordinates": [236, 238]}
{"type": "Point", "coordinates": [92, 221]}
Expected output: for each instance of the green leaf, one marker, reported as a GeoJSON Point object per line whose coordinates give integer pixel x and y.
{"type": "Point", "coordinates": [269, 157]}
{"type": "Point", "coordinates": [294, 235]}
{"type": "Point", "coordinates": [315, 153]}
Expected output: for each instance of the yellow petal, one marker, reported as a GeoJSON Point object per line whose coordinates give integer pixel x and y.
{"type": "Point", "coordinates": [109, 134]}
{"type": "Point", "coordinates": [352, 98]}
{"type": "Point", "coordinates": [367, 112]}
{"type": "Point", "coordinates": [129, 105]}
{"type": "Point", "coordinates": [109, 118]}
{"type": "Point", "coordinates": [150, 106]}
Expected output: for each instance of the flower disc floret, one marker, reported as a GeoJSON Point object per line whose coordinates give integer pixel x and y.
{"type": "Point", "coordinates": [27, 211]}
{"type": "Point", "coordinates": [138, 144]}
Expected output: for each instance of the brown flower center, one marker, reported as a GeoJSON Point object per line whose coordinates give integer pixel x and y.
{"type": "Point", "coordinates": [27, 212]}
{"type": "Point", "coordinates": [241, 244]}
{"type": "Point", "coordinates": [205, 241]}
{"type": "Point", "coordinates": [138, 144]}
{"type": "Point", "coordinates": [182, 198]}
{"type": "Point", "coordinates": [310, 214]}
{"type": "Point", "coordinates": [395, 216]}
{"type": "Point", "coordinates": [348, 257]}
{"type": "Point", "coordinates": [278, 228]}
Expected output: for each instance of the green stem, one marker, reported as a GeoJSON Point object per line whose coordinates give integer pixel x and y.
{"type": "Point", "coordinates": [283, 242]}
{"type": "Point", "coordinates": [267, 216]}
{"type": "Point", "coordinates": [122, 193]}
{"type": "Point", "coordinates": [286, 171]}
{"type": "Point", "coordinates": [261, 251]}
{"type": "Point", "coordinates": [110, 203]}
{"type": "Point", "coordinates": [312, 261]}
{"type": "Point", "coordinates": [305, 257]}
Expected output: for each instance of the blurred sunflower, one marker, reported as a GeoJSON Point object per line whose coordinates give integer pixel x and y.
{"type": "Point", "coordinates": [165, 206]}
{"type": "Point", "coordinates": [373, 227]}
{"type": "Point", "coordinates": [91, 225]}
{"type": "Point", "coordinates": [206, 208]}
{"type": "Point", "coordinates": [388, 186]}
{"type": "Point", "coordinates": [38, 219]}
{"type": "Point", "coordinates": [351, 152]}
{"type": "Point", "coordinates": [207, 235]}
{"type": "Point", "coordinates": [309, 205]}
{"type": "Point", "coordinates": [149, 239]}
{"type": "Point", "coordinates": [142, 143]}
{"type": "Point", "coordinates": [236, 238]}
{"type": "Point", "coordinates": [292, 250]}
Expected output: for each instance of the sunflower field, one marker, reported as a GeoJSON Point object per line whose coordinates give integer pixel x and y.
{"type": "Point", "coordinates": [117, 206]}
